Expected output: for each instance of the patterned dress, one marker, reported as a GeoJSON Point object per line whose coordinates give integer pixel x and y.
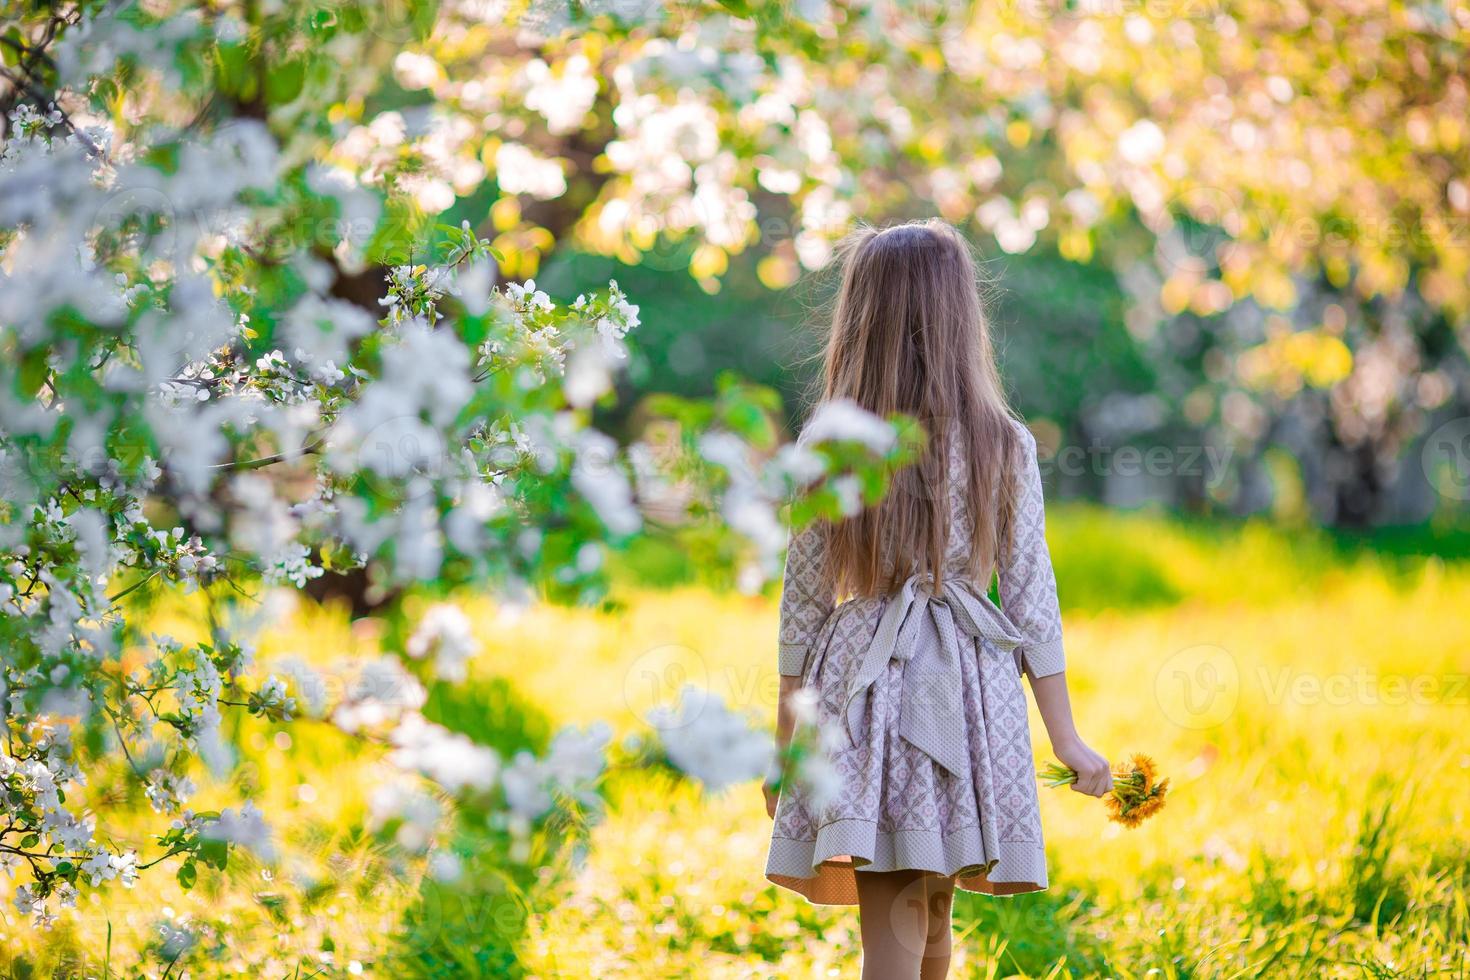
{"type": "Point", "coordinates": [935, 771]}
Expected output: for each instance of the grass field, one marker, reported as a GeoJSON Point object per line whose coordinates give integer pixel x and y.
{"type": "Point", "coordinates": [1308, 698]}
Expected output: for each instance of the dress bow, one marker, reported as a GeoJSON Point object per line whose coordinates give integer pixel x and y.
{"type": "Point", "coordinates": [920, 627]}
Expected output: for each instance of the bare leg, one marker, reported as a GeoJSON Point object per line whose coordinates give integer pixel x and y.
{"type": "Point", "coordinates": [939, 938]}
{"type": "Point", "coordinates": [893, 907]}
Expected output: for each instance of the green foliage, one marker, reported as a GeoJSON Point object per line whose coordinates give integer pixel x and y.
{"type": "Point", "coordinates": [492, 712]}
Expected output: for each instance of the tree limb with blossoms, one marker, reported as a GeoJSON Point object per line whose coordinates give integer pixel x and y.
{"type": "Point", "coordinates": [188, 407]}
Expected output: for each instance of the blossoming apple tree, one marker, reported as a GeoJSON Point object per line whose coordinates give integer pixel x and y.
{"type": "Point", "coordinates": [189, 404]}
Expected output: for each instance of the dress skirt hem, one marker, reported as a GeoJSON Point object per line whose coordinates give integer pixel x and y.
{"type": "Point", "coordinates": [823, 870]}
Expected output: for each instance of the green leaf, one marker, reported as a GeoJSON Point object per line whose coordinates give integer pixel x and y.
{"type": "Point", "coordinates": [425, 14]}
{"type": "Point", "coordinates": [33, 372]}
{"type": "Point", "coordinates": [749, 421]}
{"type": "Point", "coordinates": [9, 52]}
{"type": "Point", "coordinates": [214, 852]}
{"type": "Point", "coordinates": [284, 82]}
{"type": "Point", "coordinates": [187, 875]}
{"type": "Point", "coordinates": [232, 68]}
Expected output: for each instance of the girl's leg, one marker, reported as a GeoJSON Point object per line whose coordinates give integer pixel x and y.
{"type": "Point", "coordinates": [894, 914]}
{"type": "Point", "coordinates": [938, 939]}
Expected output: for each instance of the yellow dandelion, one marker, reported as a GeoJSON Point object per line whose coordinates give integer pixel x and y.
{"type": "Point", "coordinates": [1142, 766]}
{"type": "Point", "coordinates": [1137, 792]}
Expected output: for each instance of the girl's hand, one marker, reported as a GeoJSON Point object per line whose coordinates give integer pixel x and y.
{"type": "Point", "coordinates": [772, 792]}
{"type": "Point", "coordinates": [1094, 775]}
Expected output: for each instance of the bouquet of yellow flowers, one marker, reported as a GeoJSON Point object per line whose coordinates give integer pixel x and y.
{"type": "Point", "coordinates": [1137, 793]}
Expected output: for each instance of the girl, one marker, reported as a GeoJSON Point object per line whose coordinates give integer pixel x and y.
{"type": "Point", "coordinates": [917, 668]}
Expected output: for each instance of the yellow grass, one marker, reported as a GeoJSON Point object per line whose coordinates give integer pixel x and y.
{"type": "Point", "coordinates": [1327, 692]}
{"type": "Point", "coordinates": [1309, 710]}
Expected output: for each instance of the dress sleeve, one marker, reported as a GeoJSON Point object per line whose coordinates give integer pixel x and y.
{"type": "Point", "coordinates": [1028, 585]}
{"type": "Point", "coordinates": [806, 599]}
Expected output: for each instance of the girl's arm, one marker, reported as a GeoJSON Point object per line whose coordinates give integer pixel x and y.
{"type": "Point", "coordinates": [785, 725]}
{"type": "Point", "coordinates": [1028, 591]}
{"type": "Point", "coordinates": [806, 602]}
{"type": "Point", "coordinates": [806, 598]}
{"type": "Point", "coordinates": [1094, 776]}
{"type": "Point", "coordinates": [785, 716]}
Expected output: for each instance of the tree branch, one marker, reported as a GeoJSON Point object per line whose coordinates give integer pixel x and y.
{"type": "Point", "coordinates": [310, 449]}
{"type": "Point", "coordinates": [44, 99]}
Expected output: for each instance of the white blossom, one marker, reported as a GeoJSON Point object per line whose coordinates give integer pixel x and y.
{"type": "Point", "coordinates": [381, 693]}
{"type": "Point", "coordinates": [564, 97]}
{"type": "Point", "coordinates": [519, 170]}
{"type": "Point", "coordinates": [245, 826]}
{"type": "Point", "coordinates": [448, 758]}
{"type": "Point", "coordinates": [843, 420]}
{"type": "Point", "coordinates": [416, 812]}
{"type": "Point", "coordinates": [707, 740]}
{"type": "Point", "coordinates": [599, 477]}
{"type": "Point", "coordinates": [572, 764]}
{"type": "Point", "coordinates": [445, 633]}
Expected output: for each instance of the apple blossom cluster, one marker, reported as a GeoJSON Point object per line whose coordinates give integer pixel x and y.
{"type": "Point", "coordinates": [823, 469]}
{"type": "Point", "coordinates": [385, 701]}
{"type": "Point", "coordinates": [444, 633]}
{"type": "Point", "coordinates": [140, 390]}
{"type": "Point", "coordinates": [703, 737]}
{"type": "Point", "coordinates": [678, 106]}
{"type": "Point", "coordinates": [715, 745]}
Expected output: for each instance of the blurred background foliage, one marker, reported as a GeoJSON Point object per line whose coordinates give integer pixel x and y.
{"type": "Point", "coordinates": [1234, 224]}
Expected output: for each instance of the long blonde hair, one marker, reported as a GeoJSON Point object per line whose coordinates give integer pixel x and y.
{"type": "Point", "coordinates": [909, 334]}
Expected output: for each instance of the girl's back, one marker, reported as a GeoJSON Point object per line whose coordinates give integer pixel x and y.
{"type": "Point", "coordinates": [909, 335]}
{"type": "Point", "coordinates": [885, 617]}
